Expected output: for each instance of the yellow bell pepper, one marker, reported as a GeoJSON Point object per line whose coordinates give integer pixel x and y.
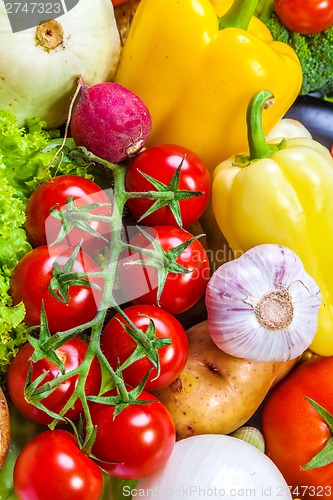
{"type": "Point", "coordinates": [281, 193]}
{"type": "Point", "coordinates": [196, 72]}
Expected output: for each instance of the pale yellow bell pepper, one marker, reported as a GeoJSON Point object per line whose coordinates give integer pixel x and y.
{"type": "Point", "coordinates": [281, 193]}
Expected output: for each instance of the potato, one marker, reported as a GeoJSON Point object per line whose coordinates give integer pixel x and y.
{"type": "Point", "coordinates": [4, 428]}
{"type": "Point", "coordinates": [217, 393]}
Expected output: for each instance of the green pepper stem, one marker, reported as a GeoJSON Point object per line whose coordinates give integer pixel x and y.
{"type": "Point", "coordinates": [258, 146]}
{"type": "Point", "coordinates": [239, 15]}
{"type": "Point", "coordinates": [264, 9]}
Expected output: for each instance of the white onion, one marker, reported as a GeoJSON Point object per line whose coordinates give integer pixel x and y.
{"type": "Point", "coordinates": [39, 82]}
{"type": "Point", "coordinates": [215, 466]}
{"type": "Point", "coordinates": [263, 306]}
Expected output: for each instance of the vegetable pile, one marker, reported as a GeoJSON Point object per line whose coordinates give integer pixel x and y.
{"type": "Point", "coordinates": [165, 258]}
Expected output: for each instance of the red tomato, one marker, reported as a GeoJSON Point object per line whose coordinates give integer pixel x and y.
{"type": "Point", "coordinates": [294, 431]}
{"type": "Point", "coordinates": [52, 466]}
{"type": "Point", "coordinates": [181, 291]}
{"type": "Point", "coordinates": [30, 281]}
{"type": "Point", "coordinates": [43, 228]}
{"type": "Point", "coordinates": [118, 2]}
{"type": "Point", "coordinates": [161, 163]}
{"type": "Point", "coordinates": [118, 345]}
{"type": "Point", "coordinates": [305, 16]}
{"type": "Point", "coordinates": [72, 354]}
{"type": "Point", "coordinates": [135, 443]}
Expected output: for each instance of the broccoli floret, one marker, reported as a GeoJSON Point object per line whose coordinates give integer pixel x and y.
{"type": "Point", "coordinates": [315, 53]}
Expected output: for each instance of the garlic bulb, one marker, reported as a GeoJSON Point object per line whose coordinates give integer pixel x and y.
{"type": "Point", "coordinates": [263, 306]}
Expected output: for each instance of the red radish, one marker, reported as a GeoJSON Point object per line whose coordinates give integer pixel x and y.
{"type": "Point", "coordinates": [110, 121]}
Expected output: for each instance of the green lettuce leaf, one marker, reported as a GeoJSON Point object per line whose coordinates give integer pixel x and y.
{"type": "Point", "coordinates": [13, 246]}
{"type": "Point", "coordinates": [27, 158]}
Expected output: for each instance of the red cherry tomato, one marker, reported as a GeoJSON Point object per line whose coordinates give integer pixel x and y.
{"type": "Point", "coordinates": [305, 16]}
{"type": "Point", "coordinates": [135, 443]}
{"type": "Point", "coordinates": [30, 282]}
{"type": "Point", "coordinates": [161, 162]}
{"type": "Point", "coordinates": [72, 354]}
{"type": "Point", "coordinates": [43, 228]}
{"type": "Point", "coordinates": [118, 345]}
{"type": "Point", "coordinates": [51, 466]}
{"type": "Point", "coordinates": [139, 281]}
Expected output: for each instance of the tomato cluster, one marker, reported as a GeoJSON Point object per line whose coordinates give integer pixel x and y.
{"type": "Point", "coordinates": [162, 271]}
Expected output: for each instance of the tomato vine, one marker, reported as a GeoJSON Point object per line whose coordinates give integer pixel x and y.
{"type": "Point", "coordinates": [45, 343]}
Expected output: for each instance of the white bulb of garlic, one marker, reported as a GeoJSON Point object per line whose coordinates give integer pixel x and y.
{"type": "Point", "coordinates": [263, 306]}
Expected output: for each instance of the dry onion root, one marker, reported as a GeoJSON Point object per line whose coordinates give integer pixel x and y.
{"type": "Point", "coordinates": [124, 14]}
{"type": "Point", "coordinates": [4, 428]}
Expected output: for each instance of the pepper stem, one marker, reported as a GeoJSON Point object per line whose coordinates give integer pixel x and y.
{"type": "Point", "coordinates": [239, 15]}
{"type": "Point", "coordinates": [258, 146]}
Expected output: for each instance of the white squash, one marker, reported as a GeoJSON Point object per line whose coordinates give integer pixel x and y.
{"type": "Point", "coordinates": [39, 66]}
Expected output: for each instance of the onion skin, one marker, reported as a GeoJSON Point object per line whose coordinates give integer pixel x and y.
{"type": "Point", "coordinates": [110, 121]}
{"type": "Point", "coordinates": [215, 466]}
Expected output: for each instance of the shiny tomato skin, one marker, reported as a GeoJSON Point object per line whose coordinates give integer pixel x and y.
{"type": "Point", "coordinates": [72, 354]}
{"type": "Point", "coordinates": [305, 16]}
{"type": "Point", "coordinates": [181, 291]}
{"type": "Point", "coordinates": [293, 430]}
{"type": "Point", "coordinates": [161, 162]}
{"type": "Point", "coordinates": [118, 345]}
{"type": "Point", "coordinates": [118, 2]}
{"type": "Point", "coordinates": [137, 442]}
{"type": "Point", "coordinates": [30, 281]}
{"type": "Point", "coordinates": [51, 466]}
{"type": "Point", "coordinates": [43, 229]}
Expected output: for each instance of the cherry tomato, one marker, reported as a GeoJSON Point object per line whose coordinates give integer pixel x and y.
{"type": "Point", "coordinates": [52, 466]}
{"type": "Point", "coordinates": [161, 162]}
{"type": "Point", "coordinates": [295, 432]}
{"type": "Point", "coordinates": [72, 354]}
{"type": "Point", "coordinates": [139, 281]}
{"type": "Point", "coordinates": [135, 443]}
{"type": "Point", "coordinates": [43, 228]}
{"type": "Point", "coordinates": [118, 345]}
{"type": "Point", "coordinates": [305, 16]}
{"type": "Point", "coordinates": [118, 2]}
{"type": "Point", "coordinates": [30, 281]}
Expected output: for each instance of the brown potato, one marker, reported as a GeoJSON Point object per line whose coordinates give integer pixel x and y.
{"type": "Point", "coordinates": [217, 393]}
{"type": "Point", "coordinates": [4, 428]}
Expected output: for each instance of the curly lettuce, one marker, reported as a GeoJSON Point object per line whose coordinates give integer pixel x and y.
{"type": "Point", "coordinates": [13, 246]}
{"type": "Point", "coordinates": [27, 158]}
